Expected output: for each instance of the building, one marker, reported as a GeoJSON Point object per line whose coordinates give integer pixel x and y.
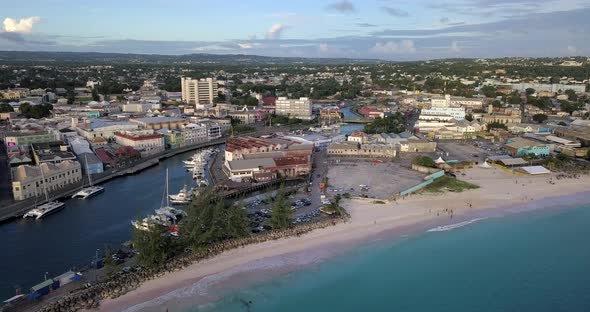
{"type": "Point", "coordinates": [555, 88]}
{"type": "Point", "coordinates": [294, 108]}
{"type": "Point", "coordinates": [355, 149]}
{"type": "Point", "coordinates": [458, 113]}
{"type": "Point", "coordinates": [146, 142]}
{"type": "Point", "coordinates": [456, 101]}
{"type": "Point", "coordinates": [518, 147]}
{"type": "Point", "coordinates": [198, 91]}
{"type": "Point", "coordinates": [98, 128]}
{"type": "Point", "coordinates": [172, 138]}
{"type": "Point", "coordinates": [28, 181]}
{"type": "Point", "coordinates": [51, 152]}
{"type": "Point", "coordinates": [140, 107]}
{"type": "Point", "coordinates": [195, 133]}
{"type": "Point", "coordinates": [581, 134]}
{"type": "Point", "coordinates": [255, 159]}
{"type": "Point", "coordinates": [247, 117]}
{"type": "Point", "coordinates": [331, 113]}
{"type": "Point", "coordinates": [27, 138]}
{"type": "Point", "coordinates": [358, 137]}
{"type": "Point", "coordinates": [157, 123]}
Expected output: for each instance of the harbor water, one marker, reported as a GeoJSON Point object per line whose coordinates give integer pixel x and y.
{"type": "Point", "coordinates": [70, 238]}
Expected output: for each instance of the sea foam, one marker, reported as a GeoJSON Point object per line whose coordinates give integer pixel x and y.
{"type": "Point", "coordinates": [449, 227]}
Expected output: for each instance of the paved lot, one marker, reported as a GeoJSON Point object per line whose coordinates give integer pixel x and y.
{"type": "Point", "coordinates": [469, 150]}
{"type": "Point", "coordinates": [383, 179]}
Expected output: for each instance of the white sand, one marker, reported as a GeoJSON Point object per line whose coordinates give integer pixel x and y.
{"type": "Point", "coordinates": [498, 190]}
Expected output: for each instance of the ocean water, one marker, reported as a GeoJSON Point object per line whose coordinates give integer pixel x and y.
{"type": "Point", "coordinates": [536, 261]}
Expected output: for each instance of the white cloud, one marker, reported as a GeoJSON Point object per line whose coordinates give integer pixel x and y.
{"type": "Point", "coordinates": [324, 48]}
{"type": "Point", "coordinates": [24, 25]}
{"type": "Point", "coordinates": [275, 31]}
{"type": "Point", "coordinates": [392, 47]}
{"type": "Point", "coordinates": [245, 45]}
{"type": "Point", "coordinates": [455, 47]}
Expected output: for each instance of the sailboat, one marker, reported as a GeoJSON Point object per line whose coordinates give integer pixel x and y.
{"type": "Point", "coordinates": [91, 190]}
{"type": "Point", "coordinates": [165, 215]}
{"type": "Point", "coordinates": [48, 208]}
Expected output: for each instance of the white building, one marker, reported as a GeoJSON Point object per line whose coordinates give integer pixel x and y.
{"type": "Point", "coordinates": [195, 133]}
{"type": "Point", "coordinates": [195, 91]}
{"type": "Point", "coordinates": [141, 107]}
{"type": "Point", "coordinates": [457, 113]}
{"type": "Point", "coordinates": [456, 101]}
{"type": "Point", "coordinates": [294, 108]}
{"type": "Point", "coordinates": [28, 182]}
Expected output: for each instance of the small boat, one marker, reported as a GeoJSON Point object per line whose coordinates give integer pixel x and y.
{"type": "Point", "coordinates": [203, 183]}
{"type": "Point", "coordinates": [183, 197]}
{"type": "Point", "coordinates": [91, 190]}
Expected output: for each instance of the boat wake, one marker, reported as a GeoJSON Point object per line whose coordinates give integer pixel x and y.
{"type": "Point", "coordinates": [449, 227]}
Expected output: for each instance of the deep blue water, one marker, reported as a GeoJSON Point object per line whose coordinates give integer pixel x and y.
{"type": "Point", "coordinates": [70, 237]}
{"type": "Point", "coordinates": [350, 127]}
{"type": "Point", "coordinates": [537, 261]}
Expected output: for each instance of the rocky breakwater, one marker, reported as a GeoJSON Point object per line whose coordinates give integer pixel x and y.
{"type": "Point", "coordinates": [119, 284]}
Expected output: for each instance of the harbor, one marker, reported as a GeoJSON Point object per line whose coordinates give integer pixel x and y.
{"type": "Point", "coordinates": [70, 238]}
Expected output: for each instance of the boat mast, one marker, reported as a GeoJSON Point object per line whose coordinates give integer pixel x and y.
{"type": "Point", "coordinates": [87, 172]}
{"type": "Point", "coordinates": [167, 197]}
{"type": "Point", "coordinates": [44, 183]}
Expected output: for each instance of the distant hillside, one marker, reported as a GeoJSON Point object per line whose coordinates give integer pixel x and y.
{"type": "Point", "coordinates": [20, 57]}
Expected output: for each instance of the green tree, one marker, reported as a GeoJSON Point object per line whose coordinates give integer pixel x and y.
{"type": "Point", "coordinates": [424, 161]}
{"type": "Point", "coordinates": [488, 91]}
{"type": "Point", "coordinates": [5, 108]}
{"type": "Point", "coordinates": [282, 214]}
{"type": "Point", "coordinates": [469, 117]}
{"type": "Point", "coordinates": [152, 245]}
{"type": "Point", "coordinates": [571, 95]}
{"type": "Point", "coordinates": [539, 118]}
{"type": "Point", "coordinates": [209, 220]}
{"type": "Point", "coordinates": [530, 91]}
{"type": "Point", "coordinates": [496, 125]}
{"type": "Point", "coordinates": [95, 95]}
{"type": "Point", "coordinates": [71, 96]}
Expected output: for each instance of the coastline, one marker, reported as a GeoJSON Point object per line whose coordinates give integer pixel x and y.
{"type": "Point", "coordinates": [499, 194]}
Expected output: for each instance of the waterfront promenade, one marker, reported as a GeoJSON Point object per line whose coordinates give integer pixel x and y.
{"type": "Point", "coordinates": [14, 209]}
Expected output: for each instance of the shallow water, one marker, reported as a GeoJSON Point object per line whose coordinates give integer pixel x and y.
{"type": "Point", "coordinates": [536, 261]}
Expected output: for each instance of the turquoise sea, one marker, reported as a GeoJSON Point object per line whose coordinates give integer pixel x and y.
{"type": "Point", "coordinates": [535, 261]}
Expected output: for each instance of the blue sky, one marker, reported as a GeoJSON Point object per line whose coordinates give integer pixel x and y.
{"type": "Point", "coordinates": [385, 29]}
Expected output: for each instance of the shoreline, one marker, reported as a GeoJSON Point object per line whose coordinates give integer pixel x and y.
{"type": "Point", "coordinates": [499, 194]}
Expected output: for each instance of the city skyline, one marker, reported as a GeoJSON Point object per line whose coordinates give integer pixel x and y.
{"type": "Point", "coordinates": [381, 29]}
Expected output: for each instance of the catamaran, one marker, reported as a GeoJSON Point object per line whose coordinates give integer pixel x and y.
{"type": "Point", "coordinates": [48, 208]}
{"type": "Point", "coordinates": [91, 190]}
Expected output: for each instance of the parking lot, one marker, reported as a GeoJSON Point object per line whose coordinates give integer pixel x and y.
{"type": "Point", "coordinates": [363, 177]}
{"type": "Point", "coordinates": [471, 150]}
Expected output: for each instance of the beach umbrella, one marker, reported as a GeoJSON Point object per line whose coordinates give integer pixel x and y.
{"type": "Point", "coordinates": [439, 161]}
{"type": "Point", "coordinates": [485, 165]}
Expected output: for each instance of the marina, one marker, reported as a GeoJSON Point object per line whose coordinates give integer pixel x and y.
{"type": "Point", "coordinates": [70, 238]}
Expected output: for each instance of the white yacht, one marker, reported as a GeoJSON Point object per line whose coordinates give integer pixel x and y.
{"type": "Point", "coordinates": [48, 208]}
{"type": "Point", "coordinates": [183, 197]}
{"type": "Point", "coordinates": [91, 190]}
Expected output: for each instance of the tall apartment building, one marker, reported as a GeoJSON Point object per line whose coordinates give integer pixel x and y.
{"type": "Point", "coordinates": [294, 108]}
{"type": "Point", "coordinates": [195, 91]}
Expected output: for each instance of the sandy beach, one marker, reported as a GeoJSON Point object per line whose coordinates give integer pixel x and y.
{"type": "Point", "coordinates": [499, 192]}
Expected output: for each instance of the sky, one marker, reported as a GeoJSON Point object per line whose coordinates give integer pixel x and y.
{"type": "Point", "coordinates": [383, 29]}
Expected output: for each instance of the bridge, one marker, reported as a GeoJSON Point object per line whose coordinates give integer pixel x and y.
{"type": "Point", "coordinates": [358, 121]}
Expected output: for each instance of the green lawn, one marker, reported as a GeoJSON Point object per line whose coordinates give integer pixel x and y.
{"type": "Point", "coordinates": [449, 184]}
